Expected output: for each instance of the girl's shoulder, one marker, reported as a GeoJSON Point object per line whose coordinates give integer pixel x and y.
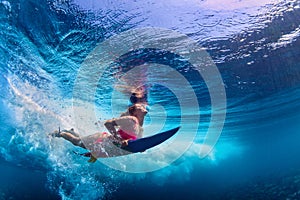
{"type": "Point", "coordinates": [128, 118]}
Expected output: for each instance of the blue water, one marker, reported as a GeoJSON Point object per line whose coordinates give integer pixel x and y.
{"type": "Point", "coordinates": [255, 46]}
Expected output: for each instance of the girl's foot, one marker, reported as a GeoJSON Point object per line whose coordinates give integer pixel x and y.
{"type": "Point", "coordinates": [55, 134]}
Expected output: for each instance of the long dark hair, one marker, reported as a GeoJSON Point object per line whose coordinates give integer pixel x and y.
{"type": "Point", "coordinates": [134, 99]}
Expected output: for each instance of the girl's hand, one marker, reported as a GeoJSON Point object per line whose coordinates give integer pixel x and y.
{"type": "Point", "coordinates": [124, 143]}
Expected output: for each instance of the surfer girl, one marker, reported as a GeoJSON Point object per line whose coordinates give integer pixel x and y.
{"type": "Point", "coordinates": [121, 130]}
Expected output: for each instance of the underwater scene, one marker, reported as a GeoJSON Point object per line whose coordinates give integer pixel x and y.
{"type": "Point", "coordinates": [225, 72]}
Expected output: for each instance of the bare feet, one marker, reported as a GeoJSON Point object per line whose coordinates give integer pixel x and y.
{"type": "Point", "coordinates": [55, 134]}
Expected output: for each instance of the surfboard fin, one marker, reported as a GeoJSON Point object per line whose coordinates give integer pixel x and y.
{"type": "Point", "coordinates": [87, 154]}
{"type": "Point", "coordinates": [92, 159]}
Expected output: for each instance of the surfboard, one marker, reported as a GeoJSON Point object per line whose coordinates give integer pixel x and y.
{"type": "Point", "coordinates": [142, 144]}
{"type": "Point", "coordinates": [134, 146]}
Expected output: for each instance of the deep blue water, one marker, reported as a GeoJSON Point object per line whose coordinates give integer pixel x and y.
{"type": "Point", "coordinates": [254, 45]}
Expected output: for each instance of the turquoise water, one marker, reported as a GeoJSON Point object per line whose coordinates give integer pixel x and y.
{"type": "Point", "coordinates": [255, 47]}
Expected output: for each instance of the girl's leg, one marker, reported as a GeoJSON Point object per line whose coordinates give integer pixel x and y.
{"type": "Point", "coordinates": [71, 138]}
{"type": "Point", "coordinates": [72, 132]}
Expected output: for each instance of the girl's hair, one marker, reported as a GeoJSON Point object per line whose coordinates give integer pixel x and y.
{"type": "Point", "coordinates": [135, 99]}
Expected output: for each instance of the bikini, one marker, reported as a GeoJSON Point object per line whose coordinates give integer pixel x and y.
{"type": "Point", "coordinates": [126, 135]}
{"type": "Point", "coordinates": [123, 134]}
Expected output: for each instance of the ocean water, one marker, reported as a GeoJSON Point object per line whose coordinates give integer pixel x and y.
{"type": "Point", "coordinates": [54, 71]}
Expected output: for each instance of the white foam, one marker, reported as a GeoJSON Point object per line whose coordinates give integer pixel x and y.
{"type": "Point", "coordinates": [30, 98]}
